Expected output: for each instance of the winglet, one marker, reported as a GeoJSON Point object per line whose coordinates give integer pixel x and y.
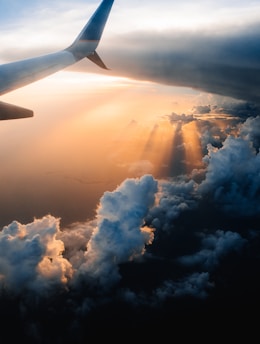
{"type": "Point", "coordinates": [97, 60]}
{"type": "Point", "coordinates": [87, 41]}
{"type": "Point", "coordinates": [93, 30]}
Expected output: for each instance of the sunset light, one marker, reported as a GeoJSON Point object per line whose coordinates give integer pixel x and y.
{"type": "Point", "coordinates": [130, 164]}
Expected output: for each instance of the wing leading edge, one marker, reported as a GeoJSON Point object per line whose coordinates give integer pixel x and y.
{"type": "Point", "coordinates": [20, 73]}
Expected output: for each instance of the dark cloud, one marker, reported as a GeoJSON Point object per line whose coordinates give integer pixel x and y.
{"type": "Point", "coordinates": [221, 62]}
{"type": "Point", "coordinates": [183, 118]}
{"type": "Point", "coordinates": [214, 247]}
{"type": "Point", "coordinates": [239, 109]}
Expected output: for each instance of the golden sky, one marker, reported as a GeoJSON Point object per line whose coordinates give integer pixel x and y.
{"type": "Point", "coordinates": [89, 132]}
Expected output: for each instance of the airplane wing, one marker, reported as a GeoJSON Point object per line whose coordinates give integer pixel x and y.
{"type": "Point", "coordinates": [20, 73]}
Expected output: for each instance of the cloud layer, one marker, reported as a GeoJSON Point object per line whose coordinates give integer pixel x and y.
{"type": "Point", "coordinates": [225, 63]}
{"type": "Point", "coordinates": [157, 248]}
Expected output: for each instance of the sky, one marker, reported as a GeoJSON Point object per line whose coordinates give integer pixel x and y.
{"type": "Point", "coordinates": [131, 200]}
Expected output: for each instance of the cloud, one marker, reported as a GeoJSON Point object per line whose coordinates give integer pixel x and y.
{"type": "Point", "coordinates": [232, 176]}
{"type": "Point", "coordinates": [250, 130]}
{"type": "Point", "coordinates": [222, 63]}
{"type": "Point", "coordinates": [38, 261]}
{"type": "Point", "coordinates": [119, 236]}
{"type": "Point", "coordinates": [174, 197]}
{"type": "Point", "coordinates": [215, 246]}
{"type": "Point", "coordinates": [31, 257]}
{"type": "Point", "coordinates": [195, 285]}
{"type": "Point", "coordinates": [240, 109]}
{"type": "Point", "coordinates": [183, 118]}
{"type": "Point", "coordinates": [34, 259]}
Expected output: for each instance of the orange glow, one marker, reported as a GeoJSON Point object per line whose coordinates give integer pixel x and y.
{"type": "Point", "coordinates": [193, 151]}
{"type": "Point", "coordinates": [143, 149]}
{"type": "Point", "coordinates": [95, 117]}
{"type": "Point", "coordinates": [88, 134]}
{"type": "Point", "coordinates": [93, 129]}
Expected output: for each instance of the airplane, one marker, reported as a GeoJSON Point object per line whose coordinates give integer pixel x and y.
{"type": "Point", "coordinates": [17, 74]}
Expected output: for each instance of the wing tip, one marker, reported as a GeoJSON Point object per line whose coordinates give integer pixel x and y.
{"type": "Point", "coordinates": [10, 111]}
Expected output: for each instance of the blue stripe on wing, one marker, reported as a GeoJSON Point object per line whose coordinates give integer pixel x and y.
{"type": "Point", "coordinates": [95, 26]}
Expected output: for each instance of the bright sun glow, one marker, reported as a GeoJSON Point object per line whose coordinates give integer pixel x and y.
{"type": "Point", "coordinates": [97, 127]}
